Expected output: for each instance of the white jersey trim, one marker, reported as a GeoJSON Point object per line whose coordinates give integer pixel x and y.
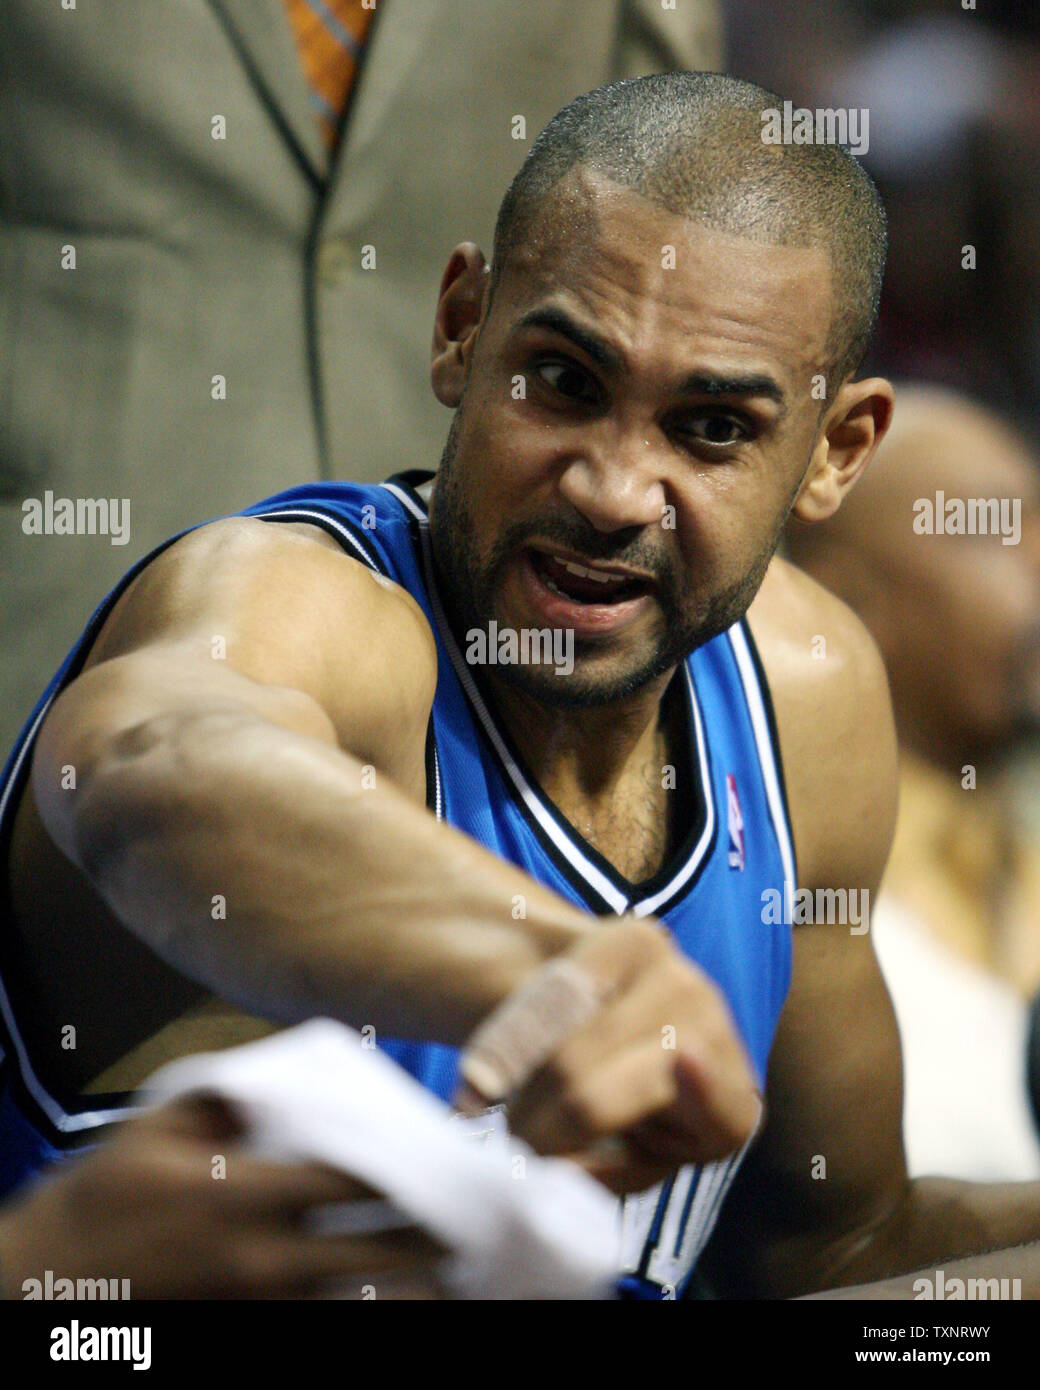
{"type": "Point", "coordinates": [767, 759]}
{"type": "Point", "coordinates": [407, 502]}
{"type": "Point", "coordinates": [620, 902]}
{"type": "Point", "coordinates": [307, 514]}
{"type": "Point", "coordinates": [644, 906]}
{"type": "Point", "coordinates": [599, 881]}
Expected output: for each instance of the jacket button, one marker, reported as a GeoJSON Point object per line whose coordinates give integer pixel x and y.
{"type": "Point", "coordinates": [334, 262]}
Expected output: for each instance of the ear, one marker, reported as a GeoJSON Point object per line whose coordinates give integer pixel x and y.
{"type": "Point", "coordinates": [853, 428]}
{"type": "Point", "coordinates": [459, 312]}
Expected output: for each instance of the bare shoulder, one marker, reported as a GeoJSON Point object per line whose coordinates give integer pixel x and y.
{"type": "Point", "coordinates": [255, 571]}
{"type": "Point", "coordinates": [837, 736]}
{"type": "Point", "coordinates": [796, 621]}
{"type": "Point", "coordinates": [283, 606]}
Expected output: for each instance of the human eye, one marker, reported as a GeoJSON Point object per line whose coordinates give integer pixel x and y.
{"type": "Point", "coordinates": [713, 429]}
{"type": "Point", "coordinates": [567, 379]}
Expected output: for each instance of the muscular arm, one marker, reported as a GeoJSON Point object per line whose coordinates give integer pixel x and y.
{"type": "Point", "coordinates": [257, 816]}
{"type": "Point", "coordinates": [824, 1199]}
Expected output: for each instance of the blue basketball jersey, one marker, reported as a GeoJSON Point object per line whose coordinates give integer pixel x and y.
{"type": "Point", "coordinates": [737, 850]}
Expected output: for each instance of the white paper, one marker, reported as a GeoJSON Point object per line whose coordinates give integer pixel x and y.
{"type": "Point", "coordinates": [518, 1226]}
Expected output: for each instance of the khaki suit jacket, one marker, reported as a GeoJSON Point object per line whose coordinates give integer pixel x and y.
{"type": "Point", "coordinates": [185, 320]}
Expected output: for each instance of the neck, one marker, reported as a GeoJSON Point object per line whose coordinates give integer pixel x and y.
{"type": "Point", "coordinates": [585, 753]}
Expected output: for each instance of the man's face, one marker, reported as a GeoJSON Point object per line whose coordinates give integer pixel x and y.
{"type": "Point", "coordinates": [638, 404]}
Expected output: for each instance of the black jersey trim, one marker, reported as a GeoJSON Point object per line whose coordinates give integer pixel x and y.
{"type": "Point", "coordinates": [683, 868]}
{"type": "Point", "coordinates": [665, 888]}
{"type": "Point", "coordinates": [434, 791]}
{"type": "Point", "coordinates": [600, 900]}
{"type": "Point", "coordinates": [582, 865]}
{"type": "Point", "coordinates": [350, 537]}
{"type": "Point", "coordinates": [698, 847]}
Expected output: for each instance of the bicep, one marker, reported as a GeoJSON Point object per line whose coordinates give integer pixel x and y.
{"type": "Point", "coordinates": [241, 608]}
{"type": "Point", "coordinates": [281, 606]}
{"type": "Point", "coordinates": [242, 620]}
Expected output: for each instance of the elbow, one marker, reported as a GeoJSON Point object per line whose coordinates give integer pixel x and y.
{"type": "Point", "coordinates": [102, 796]}
{"type": "Point", "coordinates": [95, 796]}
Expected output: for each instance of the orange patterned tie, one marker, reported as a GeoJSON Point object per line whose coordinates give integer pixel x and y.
{"type": "Point", "coordinates": [330, 35]}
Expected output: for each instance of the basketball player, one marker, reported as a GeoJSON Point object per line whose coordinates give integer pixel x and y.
{"type": "Point", "coordinates": [297, 765]}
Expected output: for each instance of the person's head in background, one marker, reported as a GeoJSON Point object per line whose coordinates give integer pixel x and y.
{"type": "Point", "coordinates": [956, 616]}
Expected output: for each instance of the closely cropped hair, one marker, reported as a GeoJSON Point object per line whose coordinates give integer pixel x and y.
{"type": "Point", "coordinates": [692, 143]}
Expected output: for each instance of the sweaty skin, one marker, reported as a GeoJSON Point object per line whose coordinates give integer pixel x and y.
{"type": "Point", "coordinates": [687, 389]}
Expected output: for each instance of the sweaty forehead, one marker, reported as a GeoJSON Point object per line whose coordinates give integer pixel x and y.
{"type": "Point", "coordinates": [653, 280]}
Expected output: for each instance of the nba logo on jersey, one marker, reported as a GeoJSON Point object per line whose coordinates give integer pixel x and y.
{"type": "Point", "coordinates": [736, 824]}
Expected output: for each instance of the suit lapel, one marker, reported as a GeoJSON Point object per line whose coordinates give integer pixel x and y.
{"type": "Point", "coordinates": [262, 33]}
{"type": "Point", "coordinates": [400, 42]}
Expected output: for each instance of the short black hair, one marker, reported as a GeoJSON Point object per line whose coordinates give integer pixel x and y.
{"type": "Point", "coordinates": [692, 142]}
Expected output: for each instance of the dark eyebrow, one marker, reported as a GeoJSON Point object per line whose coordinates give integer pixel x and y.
{"type": "Point", "coordinates": [704, 384]}
{"type": "Point", "coordinates": [697, 383]}
{"type": "Point", "coordinates": [556, 321]}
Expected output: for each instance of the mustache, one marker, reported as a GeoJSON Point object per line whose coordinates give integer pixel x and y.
{"type": "Point", "coordinates": [619, 547]}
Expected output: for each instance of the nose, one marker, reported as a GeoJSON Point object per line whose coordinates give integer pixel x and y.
{"type": "Point", "coordinates": [616, 479]}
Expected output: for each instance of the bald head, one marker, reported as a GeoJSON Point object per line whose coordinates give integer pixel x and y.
{"type": "Point", "coordinates": [692, 143]}
{"type": "Point", "coordinates": [955, 607]}
{"type": "Point", "coordinates": [938, 442]}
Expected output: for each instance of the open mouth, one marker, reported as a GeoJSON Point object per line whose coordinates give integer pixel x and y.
{"type": "Point", "coordinates": [595, 602]}
{"type": "Point", "coordinates": [586, 583]}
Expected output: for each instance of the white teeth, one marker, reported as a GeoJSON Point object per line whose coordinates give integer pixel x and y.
{"type": "Point", "coordinates": [584, 573]}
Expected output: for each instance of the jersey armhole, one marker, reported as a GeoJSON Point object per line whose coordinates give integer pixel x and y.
{"type": "Point", "coordinates": [353, 542]}
{"type": "Point", "coordinates": [361, 547]}
{"type": "Point", "coordinates": [774, 734]}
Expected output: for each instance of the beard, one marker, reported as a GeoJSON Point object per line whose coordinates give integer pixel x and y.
{"type": "Point", "coordinates": [468, 585]}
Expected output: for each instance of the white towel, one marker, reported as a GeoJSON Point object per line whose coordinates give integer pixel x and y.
{"type": "Point", "coordinates": [518, 1226]}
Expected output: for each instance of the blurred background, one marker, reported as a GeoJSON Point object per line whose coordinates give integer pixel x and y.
{"type": "Point", "coordinates": [954, 103]}
{"type": "Point", "coordinates": [954, 144]}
